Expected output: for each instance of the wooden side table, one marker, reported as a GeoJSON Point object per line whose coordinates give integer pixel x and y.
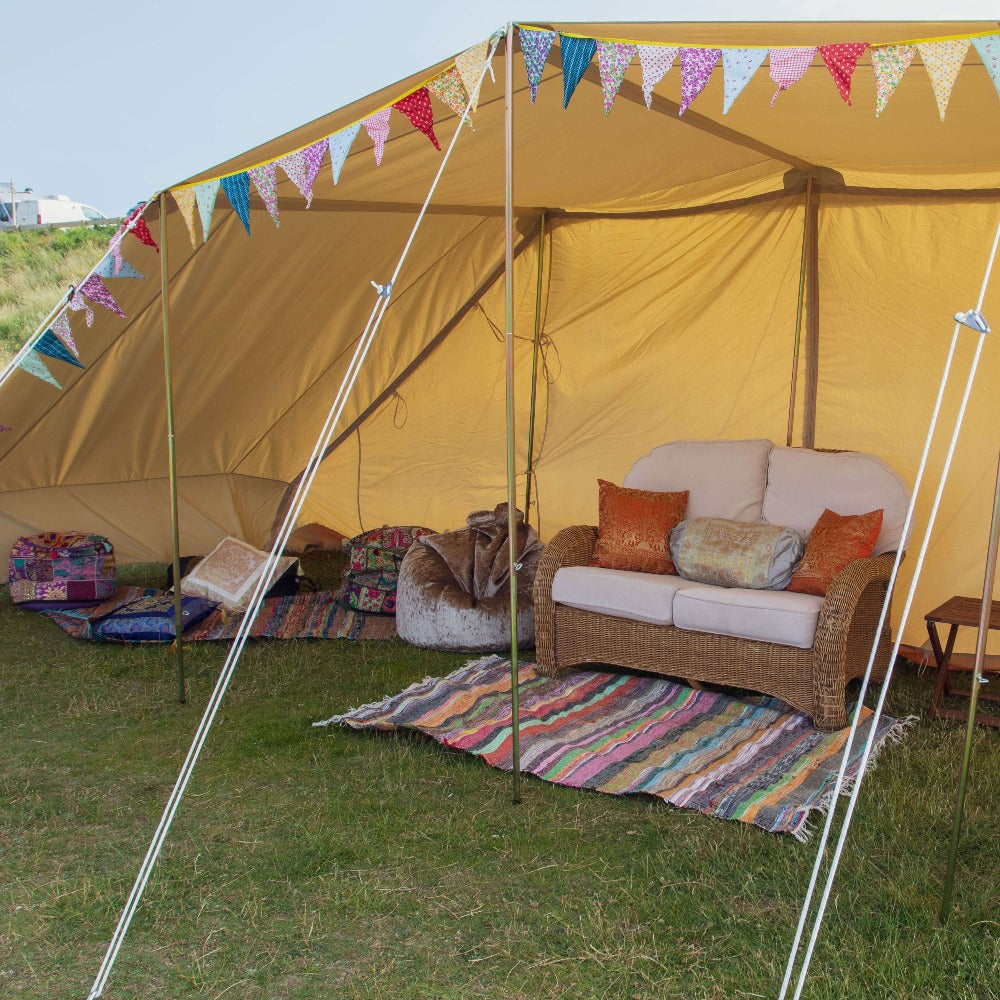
{"type": "Point", "coordinates": [957, 612]}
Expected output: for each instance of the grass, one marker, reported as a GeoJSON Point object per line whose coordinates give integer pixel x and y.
{"type": "Point", "coordinates": [36, 268]}
{"type": "Point", "coordinates": [310, 863]}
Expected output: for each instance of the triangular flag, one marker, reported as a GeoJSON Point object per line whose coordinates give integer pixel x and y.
{"type": "Point", "coordinates": [842, 60]}
{"type": "Point", "coordinates": [696, 68]}
{"type": "Point", "coordinates": [205, 194]}
{"type": "Point", "coordinates": [890, 62]}
{"type": "Point", "coordinates": [110, 268]}
{"type": "Point", "coordinates": [377, 127]}
{"type": "Point", "coordinates": [470, 67]}
{"type": "Point", "coordinates": [943, 61]}
{"type": "Point", "coordinates": [302, 167]}
{"type": "Point", "coordinates": [417, 107]}
{"type": "Point", "coordinates": [535, 46]}
{"type": "Point", "coordinates": [265, 180]}
{"type": "Point", "coordinates": [139, 229]}
{"type": "Point", "coordinates": [613, 58]}
{"type": "Point", "coordinates": [340, 146]}
{"type": "Point", "coordinates": [738, 66]}
{"type": "Point", "coordinates": [989, 51]}
{"type": "Point", "coordinates": [577, 54]}
{"type": "Point", "coordinates": [77, 304]}
{"type": "Point", "coordinates": [187, 202]}
{"type": "Point", "coordinates": [33, 365]}
{"type": "Point", "coordinates": [788, 66]}
{"type": "Point", "coordinates": [656, 61]}
{"type": "Point", "coordinates": [95, 290]}
{"type": "Point", "coordinates": [450, 91]}
{"type": "Point", "coordinates": [61, 328]}
{"type": "Point", "coordinates": [237, 188]}
{"type": "Point", "coordinates": [51, 346]}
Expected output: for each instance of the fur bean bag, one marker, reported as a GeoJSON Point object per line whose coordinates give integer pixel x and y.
{"type": "Point", "coordinates": [454, 588]}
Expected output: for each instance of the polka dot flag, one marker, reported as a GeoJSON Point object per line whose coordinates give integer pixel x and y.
{"type": "Point", "coordinates": [842, 60]}
{"type": "Point", "coordinates": [417, 107]}
{"type": "Point", "coordinates": [943, 60]}
{"type": "Point", "coordinates": [656, 61]}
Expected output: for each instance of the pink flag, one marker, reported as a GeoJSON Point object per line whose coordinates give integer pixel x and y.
{"type": "Point", "coordinates": [303, 167]}
{"type": "Point", "coordinates": [842, 60]}
{"type": "Point", "coordinates": [788, 66]}
{"type": "Point", "coordinates": [61, 328]}
{"type": "Point", "coordinates": [377, 127]}
{"type": "Point", "coordinates": [95, 290]}
{"type": "Point", "coordinates": [696, 68]}
{"type": "Point", "coordinates": [417, 107]}
{"type": "Point", "coordinates": [656, 61]}
{"type": "Point", "coordinates": [77, 304]}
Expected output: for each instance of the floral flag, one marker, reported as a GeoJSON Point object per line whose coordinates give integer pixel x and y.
{"type": "Point", "coordinates": [187, 202]}
{"type": "Point", "coordinates": [943, 61]}
{"type": "Point", "coordinates": [237, 188]}
{"type": "Point", "coordinates": [265, 180]}
{"type": "Point", "coordinates": [535, 46]}
{"type": "Point", "coordinates": [377, 127]}
{"type": "Point", "coordinates": [613, 58]}
{"type": "Point", "coordinates": [78, 304]}
{"type": "Point", "coordinates": [205, 195]}
{"type": "Point", "coordinates": [52, 347]}
{"type": "Point", "coordinates": [989, 51]}
{"type": "Point", "coordinates": [303, 166]}
{"type": "Point", "coordinates": [656, 61]}
{"type": "Point", "coordinates": [95, 290]}
{"type": "Point", "coordinates": [340, 146]}
{"type": "Point", "coordinates": [450, 91]}
{"type": "Point", "coordinates": [417, 107]}
{"type": "Point", "coordinates": [788, 66]}
{"type": "Point", "coordinates": [738, 66]}
{"type": "Point", "coordinates": [470, 67]}
{"type": "Point", "coordinates": [842, 60]}
{"type": "Point", "coordinates": [577, 54]}
{"type": "Point", "coordinates": [33, 365]}
{"type": "Point", "coordinates": [890, 62]}
{"type": "Point", "coordinates": [696, 68]}
{"type": "Point", "coordinates": [61, 328]}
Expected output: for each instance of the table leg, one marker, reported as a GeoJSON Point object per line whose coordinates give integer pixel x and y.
{"type": "Point", "coordinates": [942, 658]}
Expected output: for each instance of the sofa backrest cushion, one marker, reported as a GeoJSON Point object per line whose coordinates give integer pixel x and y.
{"type": "Point", "coordinates": [723, 478]}
{"type": "Point", "coordinates": [802, 483]}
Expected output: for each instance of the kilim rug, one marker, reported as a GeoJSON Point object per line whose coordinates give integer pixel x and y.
{"type": "Point", "coordinates": [303, 616]}
{"type": "Point", "coordinates": [755, 760]}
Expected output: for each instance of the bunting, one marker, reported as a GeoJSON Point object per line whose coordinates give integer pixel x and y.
{"type": "Point", "coordinates": [890, 62]}
{"type": "Point", "coordinates": [535, 46]}
{"type": "Point", "coordinates": [470, 67]}
{"type": "Point", "coordinates": [33, 365]}
{"type": "Point", "coordinates": [696, 68]}
{"type": "Point", "coordinates": [187, 201]}
{"type": "Point", "coordinates": [139, 229]}
{"type": "Point", "coordinates": [613, 59]}
{"type": "Point", "coordinates": [738, 66]}
{"type": "Point", "coordinates": [377, 127]}
{"type": "Point", "coordinates": [95, 290]}
{"type": "Point", "coordinates": [302, 167]}
{"type": "Point", "coordinates": [943, 61]}
{"type": "Point", "coordinates": [788, 66]}
{"type": "Point", "coordinates": [656, 61]}
{"type": "Point", "coordinates": [205, 194]}
{"type": "Point", "coordinates": [52, 347]}
{"type": "Point", "coordinates": [77, 304]}
{"type": "Point", "coordinates": [450, 91]}
{"type": "Point", "coordinates": [417, 107]}
{"type": "Point", "coordinates": [237, 188]}
{"type": "Point", "coordinates": [265, 180]}
{"type": "Point", "coordinates": [989, 51]}
{"type": "Point", "coordinates": [577, 54]}
{"type": "Point", "coordinates": [61, 328]}
{"type": "Point", "coordinates": [110, 268]}
{"type": "Point", "coordinates": [842, 60]}
{"type": "Point", "coordinates": [340, 146]}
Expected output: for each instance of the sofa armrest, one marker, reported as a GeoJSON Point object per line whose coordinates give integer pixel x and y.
{"type": "Point", "coordinates": [571, 547]}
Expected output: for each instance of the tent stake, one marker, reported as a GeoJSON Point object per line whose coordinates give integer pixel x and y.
{"type": "Point", "coordinates": [534, 371]}
{"type": "Point", "coordinates": [798, 315]}
{"type": "Point", "coordinates": [515, 735]}
{"type": "Point", "coordinates": [171, 456]}
{"type": "Point", "coordinates": [977, 675]}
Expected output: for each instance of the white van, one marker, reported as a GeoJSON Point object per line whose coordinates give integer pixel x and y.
{"type": "Point", "coordinates": [30, 210]}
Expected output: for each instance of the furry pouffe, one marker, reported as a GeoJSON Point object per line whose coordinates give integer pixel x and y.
{"type": "Point", "coordinates": [454, 587]}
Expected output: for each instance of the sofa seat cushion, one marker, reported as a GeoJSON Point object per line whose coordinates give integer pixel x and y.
{"type": "Point", "coordinates": [762, 615]}
{"type": "Point", "coordinates": [644, 597]}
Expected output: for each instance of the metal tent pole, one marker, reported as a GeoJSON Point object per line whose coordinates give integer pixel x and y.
{"type": "Point", "coordinates": [798, 315]}
{"type": "Point", "coordinates": [977, 679]}
{"type": "Point", "coordinates": [534, 371]}
{"type": "Point", "coordinates": [171, 455]}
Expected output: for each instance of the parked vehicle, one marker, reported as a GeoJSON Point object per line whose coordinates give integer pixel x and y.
{"type": "Point", "coordinates": [28, 209]}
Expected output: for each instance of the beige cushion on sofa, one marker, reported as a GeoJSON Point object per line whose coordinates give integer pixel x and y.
{"type": "Point", "coordinates": [802, 483]}
{"type": "Point", "coordinates": [764, 615]}
{"type": "Point", "coordinates": [723, 478]}
{"type": "Point", "coordinates": [644, 597]}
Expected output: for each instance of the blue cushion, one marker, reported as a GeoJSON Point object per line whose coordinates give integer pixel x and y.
{"type": "Point", "coordinates": [150, 619]}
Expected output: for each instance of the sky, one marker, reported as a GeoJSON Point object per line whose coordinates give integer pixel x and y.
{"type": "Point", "coordinates": [108, 103]}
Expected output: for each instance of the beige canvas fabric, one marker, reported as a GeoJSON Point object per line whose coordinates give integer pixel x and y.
{"type": "Point", "coordinates": [670, 282]}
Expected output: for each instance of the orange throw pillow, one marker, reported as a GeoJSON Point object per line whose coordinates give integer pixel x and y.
{"type": "Point", "coordinates": [634, 528]}
{"type": "Point", "coordinates": [837, 539]}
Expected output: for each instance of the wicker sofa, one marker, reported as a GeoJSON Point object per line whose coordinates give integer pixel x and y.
{"type": "Point", "coordinates": [800, 648]}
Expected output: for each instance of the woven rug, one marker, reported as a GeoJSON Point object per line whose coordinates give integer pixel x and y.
{"type": "Point", "coordinates": [754, 760]}
{"type": "Point", "coordinates": [303, 616]}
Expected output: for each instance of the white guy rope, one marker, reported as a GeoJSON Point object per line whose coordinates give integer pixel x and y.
{"type": "Point", "coordinates": [866, 755]}
{"type": "Point", "coordinates": [243, 632]}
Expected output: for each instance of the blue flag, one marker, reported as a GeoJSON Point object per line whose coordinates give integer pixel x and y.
{"type": "Point", "coordinates": [577, 54]}
{"type": "Point", "coordinates": [237, 188]}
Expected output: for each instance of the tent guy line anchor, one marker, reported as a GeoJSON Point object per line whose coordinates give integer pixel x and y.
{"type": "Point", "coordinates": [974, 320]}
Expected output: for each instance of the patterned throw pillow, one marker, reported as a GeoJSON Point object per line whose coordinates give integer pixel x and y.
{"type": "Point", "coordinates": [228, 575]}
{"type": "Point", "coordinates": [835, 541]}
{"type": "Point", "coordinates": [151, 619]}
{"type": "Point", "coordinates": [634, 528]}
{"type": "Point", "coordinates": [729, 553]}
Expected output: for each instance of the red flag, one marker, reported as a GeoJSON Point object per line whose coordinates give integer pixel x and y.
{"type": "Point", "coordinates": [841, 60]}
{"type": "Point", "coordinates": [417, 107]}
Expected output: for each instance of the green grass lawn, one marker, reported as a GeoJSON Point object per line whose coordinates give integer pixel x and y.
{"type": "Point", "coordinates": [323, 862]}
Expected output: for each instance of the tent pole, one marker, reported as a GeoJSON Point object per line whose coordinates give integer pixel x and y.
{"type": "Point", "coordinates": [515, 735]}
{"type": "Point", "coordinates": [534, 371]}
{"type": "Point", "coordinates": [171, 456]}
{"type": "Point", "coordinates": [977, 679]}
{"type": "Point", "coordinates": [798, 315]}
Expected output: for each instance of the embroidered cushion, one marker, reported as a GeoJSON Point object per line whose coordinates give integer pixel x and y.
{"type": "Point", "coordinates": [835, 541]}
{"type": "Point", "coordinates": [373, 593]}
{"type": "Point", "coordinates": [382, 548]}
{"type": "Point", "coordinates": [62, 567]}
{"type": "Point", "coordinates": [634, 528]}
{"type": "Point", "coordinates": [735, 553]}
{"type": "Point", "coordinates": [151, 619]}
{"type": "Point", "coordinates": [228, 575]}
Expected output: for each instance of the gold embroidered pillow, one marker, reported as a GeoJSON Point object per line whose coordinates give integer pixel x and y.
{"type": "Point", "coordinates": [835, 541]}
{"type": "Point", "coordinates": [634, 528]}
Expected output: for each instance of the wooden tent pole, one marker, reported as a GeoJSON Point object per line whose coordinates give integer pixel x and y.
{"type": "Point", "coordinates": [798, 315]}
{"type": "Point", "coordinates": [977, 675]}
{"type": "Point", "coordinates": [171, 455]}
{"type": "Point", "coordinates": [812, 322]}
{"type": "Point", "coordinates": [534, 372]}
{"type": "Point", "coordinates": [509, 339]}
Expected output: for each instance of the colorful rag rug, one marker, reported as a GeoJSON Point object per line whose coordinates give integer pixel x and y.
{"type": "Point", "coordinates": [303, 616]}
{"type": "Point", "coordinates": [753, 760]}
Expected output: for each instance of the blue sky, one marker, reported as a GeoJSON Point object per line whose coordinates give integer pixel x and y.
{"type": "Point", "coordinates": [109, 102]}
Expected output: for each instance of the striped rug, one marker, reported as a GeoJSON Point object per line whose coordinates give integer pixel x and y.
{"type": "Point", "coordinates": [753, 760]}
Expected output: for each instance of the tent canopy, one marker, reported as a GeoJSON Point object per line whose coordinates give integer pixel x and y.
{"type": "Point", "coordinates": [670, 288]}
